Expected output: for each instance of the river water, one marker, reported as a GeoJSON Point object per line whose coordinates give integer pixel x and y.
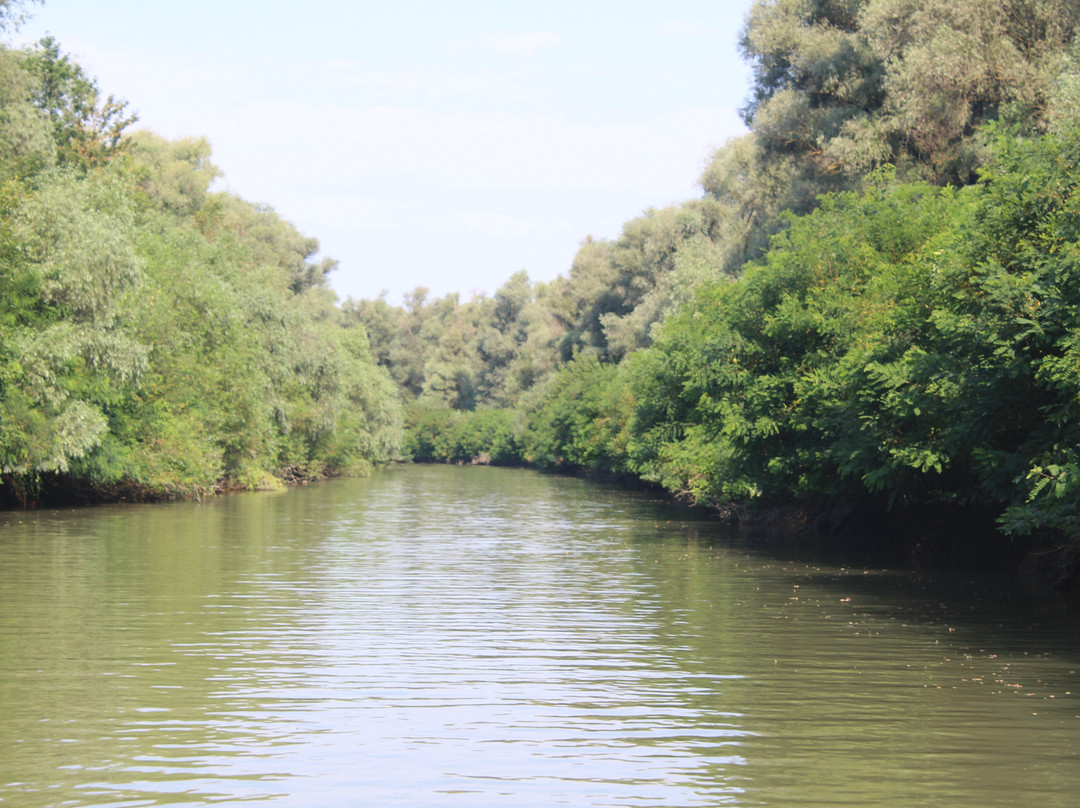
{"type": "Point", "coordinates": [438, 636]}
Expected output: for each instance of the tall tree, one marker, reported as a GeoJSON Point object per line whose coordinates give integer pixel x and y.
{"type": "Point", "coordinates": [846, 85]}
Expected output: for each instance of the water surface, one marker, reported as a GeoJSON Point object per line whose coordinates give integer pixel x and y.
{"type": "Point", "coordinates": [439, 636]}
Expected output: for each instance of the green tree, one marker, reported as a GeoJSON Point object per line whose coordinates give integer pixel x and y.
{"type": "Point", "coordinates": [87, 131]}
{"type": "Point", "coordinates": [26, 142]}
{"type": "Point", "coordinates": [847, 86]}
{"type": "Point", "coordinates": [580, 420]}
{"type": "Point", "coordinates": [71, 351]}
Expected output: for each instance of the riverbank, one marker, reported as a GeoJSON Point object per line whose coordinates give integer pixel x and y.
{"type": "Point", "coordinates": [52, 489]}
{"type": "Point", "coordinates": [921, 537]}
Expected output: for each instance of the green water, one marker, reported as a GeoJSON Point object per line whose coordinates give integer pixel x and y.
{"type": "Point", "coordinates": [440, 636]}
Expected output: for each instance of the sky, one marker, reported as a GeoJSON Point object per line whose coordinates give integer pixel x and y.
{"type": "Point", "coordinates": [438, 144]}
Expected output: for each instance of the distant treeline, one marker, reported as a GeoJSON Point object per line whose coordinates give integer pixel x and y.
{"type": "Point", "coordinates": [876, 299]}
{"type": "Point", "coordinates": [156, 338]}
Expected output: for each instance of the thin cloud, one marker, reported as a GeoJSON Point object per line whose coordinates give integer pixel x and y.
{"type": "Point", "coordinates": [522, 45]}
{"type": "Point", "coordinates": [433, 83]}
{"type": "Point", "coordinates": [495, 224]}
{"type": "Point", "coordinates": [692, 31]}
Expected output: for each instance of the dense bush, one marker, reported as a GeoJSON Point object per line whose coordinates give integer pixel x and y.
{"type": "Point", "coordinates": [441, 435]}
{"type": "Point", "coordinates": [915, 342]}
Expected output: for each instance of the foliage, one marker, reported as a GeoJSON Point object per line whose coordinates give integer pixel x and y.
{"type": "Point", "coordinates": [69, 350]}
{"type": "Point", "coordinates": [580, 419]}
{"type": "Point", "coordinates": [442, 435]}
{"type": "Point", "coordinates": [484, 353]}
{"type": "Point", "coordinates": [845, 314]}
{"type": "Point", "coordinates": [86, 130]}
{"type": "Point", "coordinates": [762, 369]}
{"type": "Point", "coordinates": [914, 342]}
{"type": "Point", "coordinates": [157, 336]}
{"type": "Point", "coordinates": [847, 86]}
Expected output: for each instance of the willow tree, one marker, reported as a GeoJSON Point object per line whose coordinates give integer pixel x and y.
{"type": "Point", "coordinates": [846, 85]}
{"type": "Point", "coordinates": [71, 348]}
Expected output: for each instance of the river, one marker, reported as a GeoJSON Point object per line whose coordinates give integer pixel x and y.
{"type": "Point", "coordinates": [439, 636]}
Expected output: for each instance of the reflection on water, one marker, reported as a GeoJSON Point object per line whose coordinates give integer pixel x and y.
{"type": "Point", "coordinates": [470, 637]}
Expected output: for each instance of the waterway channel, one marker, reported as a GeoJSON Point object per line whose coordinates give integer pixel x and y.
{"type": "Point", "coordinates": [438, 636]}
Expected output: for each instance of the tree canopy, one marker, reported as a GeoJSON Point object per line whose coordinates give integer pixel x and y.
{"type": "Point", "coordinates": [159, 337]}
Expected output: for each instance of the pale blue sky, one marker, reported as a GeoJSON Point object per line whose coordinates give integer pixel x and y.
{"type": "Point", "coordinates": [438, 144]}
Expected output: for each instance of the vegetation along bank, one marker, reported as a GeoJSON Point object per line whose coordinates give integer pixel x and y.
{"type": "Point", "coordinates": [873, 307]}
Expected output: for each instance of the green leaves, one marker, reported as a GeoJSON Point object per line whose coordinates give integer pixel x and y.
{"type": "Point", "coordinates": [1052, 497]}
{"type": "Point", "coordinates": [845, 87]}
{"type": "Point", "coordinates": [72, 353]}
{"type": "Point", "coordinates": [76, 235]}
{"type": "Point", "coordinates": [86, 130]}
{"type": "Point", "coordinates": [577, 422]}
{"type": "Point", "coordinates": [275, 384]}
{"type": "Point", "coordinates": [487, 436]}
{"type": "Point", "coordinates": [918, 344]}
{"type": "Point", "coordinates": [152, 333]}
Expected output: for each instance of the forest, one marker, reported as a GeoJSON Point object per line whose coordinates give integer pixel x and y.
{"type": "Point", "coordinates": [871, 310]}
{"type": "Point", "coordinates": [159, 339]}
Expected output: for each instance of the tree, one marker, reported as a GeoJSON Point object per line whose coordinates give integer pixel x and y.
{"type": "Point", "coordinates": [11, 13]}
{"type": "Point", "coordinates": [848, 85]}
{"type": "Point", "coordinates": [175, 175]}
{"type": "Point", "coordinates": [72, 353]}
{"type": "Point", "coordinates": [580, 419]}
{"type": "Point", "coordinates": [26, 142]}
{"type": "Point", "coordinates": [87, 131]}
